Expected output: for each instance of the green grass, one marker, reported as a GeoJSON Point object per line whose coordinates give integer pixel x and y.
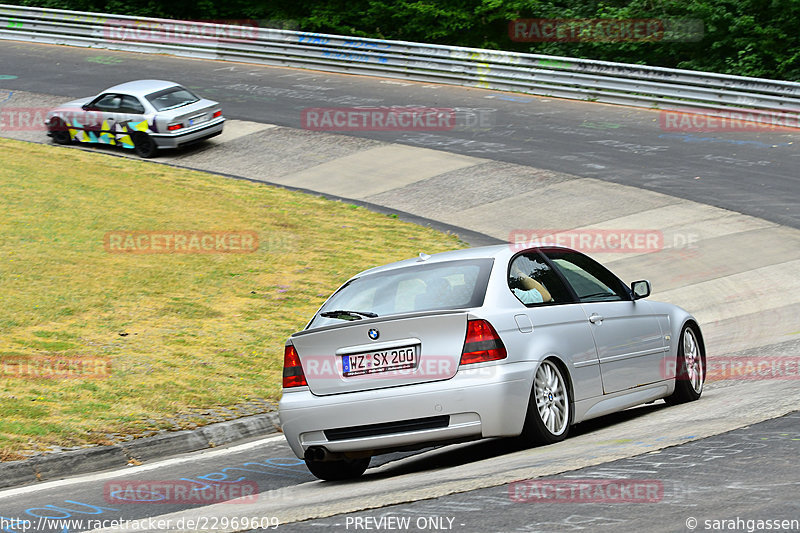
{"type": "Point", "coordinates": [183, 332]}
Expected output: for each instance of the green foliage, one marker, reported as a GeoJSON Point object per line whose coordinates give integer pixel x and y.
{"type": "Point", "coordinates": [744, 37]}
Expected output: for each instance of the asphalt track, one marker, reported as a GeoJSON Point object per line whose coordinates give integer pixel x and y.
{"type": "Point", "coordinates": [739, 277]}
{"type": "Point", "coordinates": [702, 479]}
{"type": "Point", "coordinates": [697, 483]}
{"type": "Point", "coordinates": [755, 173]}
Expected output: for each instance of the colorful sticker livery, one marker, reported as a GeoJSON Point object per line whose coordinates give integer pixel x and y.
{"type": "Point", "coordinates": [142, 115]}
{"type": "Point", "coordinates": [111, 133]}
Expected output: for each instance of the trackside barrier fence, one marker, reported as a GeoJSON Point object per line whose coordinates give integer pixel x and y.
{"type": "Point", "coordinates": [764, 100]}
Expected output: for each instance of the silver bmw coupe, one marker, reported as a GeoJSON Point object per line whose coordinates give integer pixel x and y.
{"type": "Point", "coordinates": [143, 115]}
{"type": "Point", "coordinates": [484, 342]}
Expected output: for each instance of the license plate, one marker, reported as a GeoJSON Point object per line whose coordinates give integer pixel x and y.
{"type": "Point", "coordinates": [197, 120]}
{"type": "Point", "coordinates": [379, 361]}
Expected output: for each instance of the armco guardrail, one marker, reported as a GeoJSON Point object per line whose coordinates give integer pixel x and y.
{"type": "Point", "coordinates": [775, 102]}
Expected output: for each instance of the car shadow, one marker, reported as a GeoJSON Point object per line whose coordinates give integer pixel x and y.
{"type": "Point", "coordinates": [461, 454]}
{"type": "Point", "coordinates": [165, 154]}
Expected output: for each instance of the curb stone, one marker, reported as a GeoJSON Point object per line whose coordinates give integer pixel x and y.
{"type": "Point", "coordinates": [49, 466]}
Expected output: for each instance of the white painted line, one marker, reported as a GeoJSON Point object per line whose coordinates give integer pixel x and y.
{"type": "Point", "coordinates": [192, 457]}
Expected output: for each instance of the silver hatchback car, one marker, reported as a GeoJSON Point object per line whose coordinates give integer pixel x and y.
{"type": "Point", "coordinates": [143, 115]}
{"type": "Point", "coordinates": [483, 342]}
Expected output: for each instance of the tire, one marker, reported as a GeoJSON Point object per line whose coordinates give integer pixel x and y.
{"type": "Point", "coordinates": [59, 132]}
{"type": "Point", "coordinates": [690, 368]}
{"type": "Point", "coordinates": [338, 470]}
{"type": "Point", "coordinates": [548, 418]}
{"type": "Point", "coordinates": [144, 145]}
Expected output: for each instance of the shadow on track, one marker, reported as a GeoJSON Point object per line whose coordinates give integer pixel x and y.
{"type": "Point", "coordinates": [461, 454]}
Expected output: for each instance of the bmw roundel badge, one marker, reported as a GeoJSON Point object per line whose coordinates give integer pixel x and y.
{"type": "Point", "coordinates": [374, 334]}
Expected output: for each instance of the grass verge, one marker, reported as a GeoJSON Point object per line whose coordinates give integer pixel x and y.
{"type": "Point", "coordinates": [187, 337]}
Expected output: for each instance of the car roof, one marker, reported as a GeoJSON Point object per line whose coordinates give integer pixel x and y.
{"type": "Point", "coordinates": [496, 251]}
{"type": "Point", "coordinates": [141, 87]}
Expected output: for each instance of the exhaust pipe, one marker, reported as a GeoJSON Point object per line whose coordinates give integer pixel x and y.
{"type": "Point", "coordinates": [321, 453]}
{"type": "Point", "coordinates": [317, 453]}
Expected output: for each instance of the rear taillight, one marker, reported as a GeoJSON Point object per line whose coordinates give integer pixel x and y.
{"type": "Point", "coordinates": [292, 369]}
{"type": "Point", "coordinates": [173, 127]}
{"type": "Point", "coordinates": [217, 113]}
{"type": "Point", "coordinates": [482, 344]}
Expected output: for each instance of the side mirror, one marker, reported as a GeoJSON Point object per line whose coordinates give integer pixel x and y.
{"type": "Point", "coordinates": [640, 289]}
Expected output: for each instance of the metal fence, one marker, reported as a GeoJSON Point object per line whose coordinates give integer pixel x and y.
{"type": "Point", "coordinates": [776, 102]}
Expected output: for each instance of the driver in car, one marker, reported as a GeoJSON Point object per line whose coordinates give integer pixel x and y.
{"type": "Point", "coordinates": [531, 291]}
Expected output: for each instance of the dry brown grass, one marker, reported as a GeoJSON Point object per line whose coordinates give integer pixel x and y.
{"type": "Point", "coordinates": [183, 332]}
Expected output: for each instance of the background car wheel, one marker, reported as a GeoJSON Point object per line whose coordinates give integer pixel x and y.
{"type": "Point", "coordinates": [59, 132]}
{"type": "Point", "coordinates": [144, 145]}
{"type": "Point", "coordinates": [548, 416]}
{"type": "Point", "coordinates": [338, 470]}
{"type": "Point", "coordinates": [690, 369]}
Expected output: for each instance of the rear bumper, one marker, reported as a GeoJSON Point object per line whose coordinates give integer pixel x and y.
{"type": "Point", "coordinates": [486, 401]}
{"type": "Point", "coordinates": [189, 136]}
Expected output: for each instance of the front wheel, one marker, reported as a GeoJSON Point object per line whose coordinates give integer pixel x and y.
{"type": "Point", "coordinates": [547, 419]}
{"type": "Point", "coordinates": [59, 132]}
{"type": "Point", "coordinates": [690, 369]}
{"type": "Point", "coordinates": [144, 145]}
{"type": "Point", "coordinates": [338, 470]}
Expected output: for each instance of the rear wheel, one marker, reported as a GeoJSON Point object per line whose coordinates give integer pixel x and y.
{"type": "Point", "coordinates": [144, 145]}
{"type": "Point", "coordinates": [339, 469]}
{"type": "Point", "coordinates": [547, 420]}
{"type": "Point", "coordinates": [59, 132]}
{"type": "Point", "coordinates": [690, 369]}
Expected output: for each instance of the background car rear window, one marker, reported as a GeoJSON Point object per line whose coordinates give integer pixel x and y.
{"type": "Point", "coordinates": [446, 285]}
{"type": "Point", "coordinates": [171, 98]}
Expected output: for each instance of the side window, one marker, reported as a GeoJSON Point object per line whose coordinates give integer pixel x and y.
{"type": "Point", "coordinates": [532, 281]}
{"type": "Point", "coordinates": [109, 102]}
{"type": "Point", "coordinates": [590, 280]}
{"type": "Point", "coordinates": [132, 105]}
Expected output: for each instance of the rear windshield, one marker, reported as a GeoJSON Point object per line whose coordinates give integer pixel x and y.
{"type": "Point", "coordinates": [172, 98]}
{"type": "Point", "coordinates": [419, 287]}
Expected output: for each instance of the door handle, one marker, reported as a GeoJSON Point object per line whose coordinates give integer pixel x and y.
{"type": "Point", "coordinates": [596, 319]}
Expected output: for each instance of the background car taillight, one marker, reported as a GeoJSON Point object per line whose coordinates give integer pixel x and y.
{"type": "Point", "coordinates": [173, 127]}
{"type": "Point", "coordinates": [292, 369]}
{"type": "Point", "coordinates": [482, 344]}
{"type": "Point", "coordinates": [217, 114]}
